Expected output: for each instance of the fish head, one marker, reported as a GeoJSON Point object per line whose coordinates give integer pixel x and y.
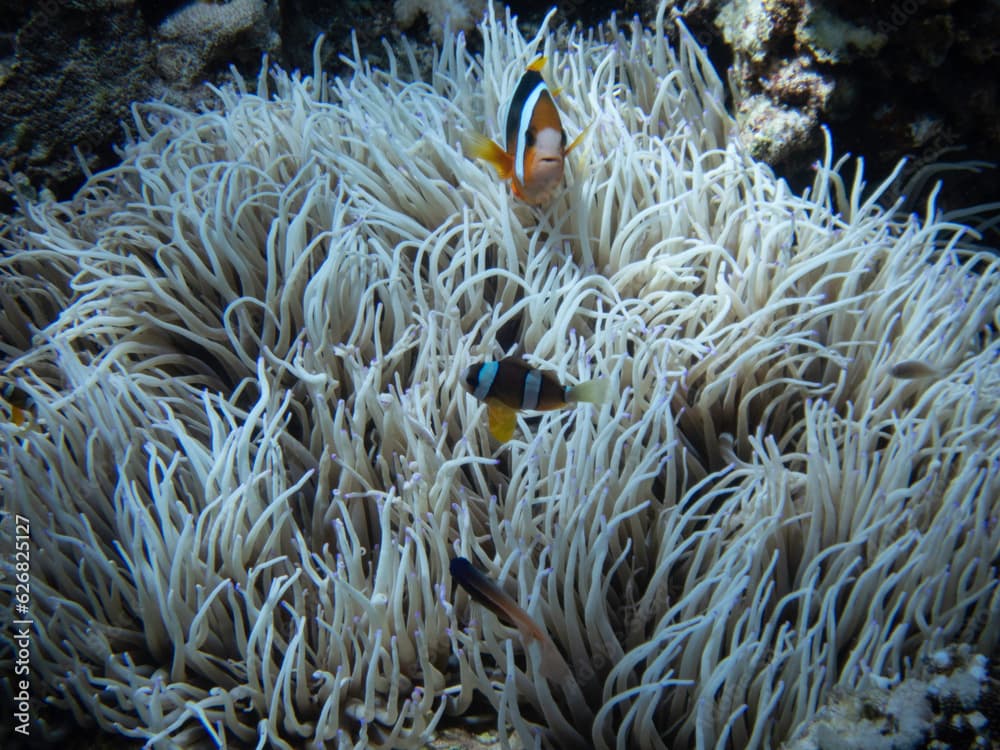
{"type": "Point", "coordinates": [544, 166]}
{"type": "Point", "coordinates": [470, 378]}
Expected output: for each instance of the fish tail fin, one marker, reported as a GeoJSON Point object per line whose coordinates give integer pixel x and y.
{"type": "Point", "coordinates": [480, 147]}
{"type": "Point", "coordinates": [590, 392]}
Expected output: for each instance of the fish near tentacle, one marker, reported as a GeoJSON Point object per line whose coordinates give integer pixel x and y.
{"type": "Point", "coordinates": [534, 155]}
{"type": "Point", "coordinates": [511, 385]}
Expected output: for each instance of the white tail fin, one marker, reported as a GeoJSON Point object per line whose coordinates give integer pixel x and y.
{"type": "Point", "coordinates": [591, 392]}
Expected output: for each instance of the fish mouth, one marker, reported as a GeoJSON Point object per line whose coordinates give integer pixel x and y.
{"type": "Point", "coordinates": [469, 378]}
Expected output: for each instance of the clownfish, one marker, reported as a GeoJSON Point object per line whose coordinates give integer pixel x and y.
{"type": "Point", "coordinates": [487, 592]}
{"type": "Point", "coordinates": [536, 142]}
{"type": "Point", "coordinates": [552, 665]}
{"type": "Point", "coordinates": [510, 385]}
{"type": "Point", "coordinates": [15, 403]}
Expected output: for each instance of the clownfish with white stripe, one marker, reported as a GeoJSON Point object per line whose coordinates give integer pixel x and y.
{"type": "Point", "coordinates": [510, 385]}
{"type": "Point", "coordinates": [15, 405]}
{"type": "Point", "coordinates": [536, 150]}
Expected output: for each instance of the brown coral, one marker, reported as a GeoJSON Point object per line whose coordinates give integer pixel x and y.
{"type": "Point", "coordinates": [201, 34]}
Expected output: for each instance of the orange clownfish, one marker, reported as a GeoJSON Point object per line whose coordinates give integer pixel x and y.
{"type": "Point", "coordinates": [511, 385]}
{"type": "Point", "coordinates": [536, 142]}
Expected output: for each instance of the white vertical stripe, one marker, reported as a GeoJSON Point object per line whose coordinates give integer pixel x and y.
{"type": "Point", "coordinates": [527, 111]}
{"type": "Point", "coordinates": [532, 388]}
{"type": "Point", "coordinates": [487, 374]}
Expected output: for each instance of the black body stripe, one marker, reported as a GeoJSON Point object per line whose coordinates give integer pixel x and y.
{"type": "Point", "coordinates": [525, 86]}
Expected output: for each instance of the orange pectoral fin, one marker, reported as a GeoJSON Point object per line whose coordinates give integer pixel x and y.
{"type": "Point", "coordinates": [481, 147]}
{"type": "Point", "coordinates": [576, 141]}
{"type": "Point", "coordinates": [502, 420]}
{"type": "Point", "coordinates": [516, 189]}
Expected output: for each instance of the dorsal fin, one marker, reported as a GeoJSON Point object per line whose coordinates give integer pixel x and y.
{"type": "Point", "coordinates": [537, 64]}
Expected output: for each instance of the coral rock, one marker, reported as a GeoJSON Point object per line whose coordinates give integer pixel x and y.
{"type": "Point", "coordinates": [201, 34]}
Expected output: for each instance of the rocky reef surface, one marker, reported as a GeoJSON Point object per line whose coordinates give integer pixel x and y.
{"type": "Point", "coordinates": [911, 78]}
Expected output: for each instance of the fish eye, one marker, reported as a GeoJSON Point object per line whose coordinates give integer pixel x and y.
{"type": "Point", "coordinates": [529, 137]}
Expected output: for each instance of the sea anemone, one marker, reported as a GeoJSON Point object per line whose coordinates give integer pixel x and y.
{"type": "Point", "coordinates": [249, 458]}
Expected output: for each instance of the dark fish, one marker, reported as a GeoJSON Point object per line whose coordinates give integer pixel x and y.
{"type": "Point", "coordinates": [15, 403]}
{"type": "Point", "coordinates": [484, 590]}
{"type": "Point", "coordinates": [511, 385]}
{"type": "Point", "coordinates": [913, 369]}
{"type": "Point", "coordinates": [552, 665]}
